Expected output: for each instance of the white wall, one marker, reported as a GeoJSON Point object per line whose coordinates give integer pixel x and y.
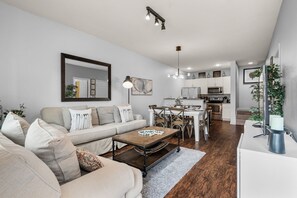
{"type": "Point", "coordinates": [245, 101]}
{"type": "Point", "coordinates": [286, 34]}
{"type": "Point", "coordinates": [234, 91]}
{"type": "Point", "coordinates": [30, 48]}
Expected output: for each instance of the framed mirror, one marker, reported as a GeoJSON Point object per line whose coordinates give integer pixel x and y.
{"type": "Point", "coordinates": [84, 79]}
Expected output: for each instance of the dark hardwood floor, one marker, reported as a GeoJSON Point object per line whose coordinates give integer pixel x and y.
{"type": "Point", "coordinates": [215, 174]}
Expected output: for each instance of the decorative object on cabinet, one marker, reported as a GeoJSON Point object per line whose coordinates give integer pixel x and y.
{"type": "Point", "coordinates": [248, 77]}
{"type": "Point", "coordinates": [142, 86]}
{"type": "Point", "coordinates": [201, 75]}
{"type": "Point", "coordinates": [216, 74]}
{"type": "Point", "coordinates": [128, 85]}
{"type": "Point", "coordinates": [82, 72]}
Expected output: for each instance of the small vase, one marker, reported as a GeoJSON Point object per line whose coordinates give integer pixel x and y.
{"type": "Point", "coordinates": [276, 141]}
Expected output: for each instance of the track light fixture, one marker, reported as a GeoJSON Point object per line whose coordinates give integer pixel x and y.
{"type": "Point", "coordinates": [156, 22]}
{"type": "Point", "coordinates": [148, 17]}
{"type": "Point", "coordinates": [157, 17]}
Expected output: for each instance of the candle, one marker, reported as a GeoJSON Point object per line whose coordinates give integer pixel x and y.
{"type": "Point", "coordinates": [277, 123]}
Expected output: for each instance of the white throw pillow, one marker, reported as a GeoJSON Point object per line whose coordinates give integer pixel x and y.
{"type": "Point", "coordinates": [126, 113]}
{"type": "Point", "coordinates": [15, 128]}
{"type": "Point", "coordinates": [55, 149]}
{"type": "Point", "coordinates": [80, 119]}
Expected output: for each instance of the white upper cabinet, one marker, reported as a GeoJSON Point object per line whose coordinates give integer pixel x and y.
{"type": "Point", "coordinates": [202, 83]}
{"type": "Point", "coordinates": [214, 82]}
{"type": "Point", "coordinates": [188, 83]}
{"type": "Point", "coordinates": [226, 85]}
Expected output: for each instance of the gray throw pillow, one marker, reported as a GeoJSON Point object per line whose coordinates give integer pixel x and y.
{"type": "Point", "coordinates": [116, 114]}
{"type": "Point", "coordinates": [105, 115]}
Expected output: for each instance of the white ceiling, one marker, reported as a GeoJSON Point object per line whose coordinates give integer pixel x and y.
{"type": "Point", "coordinates": [210, 31]}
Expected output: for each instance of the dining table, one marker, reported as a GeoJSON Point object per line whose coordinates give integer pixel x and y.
{"type": "Point", "coordinates": [197, 115]}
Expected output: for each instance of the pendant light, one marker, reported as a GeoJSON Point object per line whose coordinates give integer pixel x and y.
{"type": "Point", "coordinates": [177, 74]}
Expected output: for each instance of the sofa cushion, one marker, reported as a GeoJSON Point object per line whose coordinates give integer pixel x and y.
{"type": "Point", "coordinates": [92, 134]}
{"type": "Point", "coordinates": [105, 115]}
{"type": "Point", "coordinates": [52, 115]}
{"type": "Point", "coordinates": [126, 113]}
{"type": "Point", "coordinates": [15, 128]}
{"type": "Point", "coordinates": [54, 148]}
{"type": "Point", "coordinates": [67, 116]}
{"type": "Point", "coordinates": [130, 126]}
{"type": "Point", "coordinates": [116, 114]}
{"type": "Point", "coordinates": [87, 160]}
{"type": "Point", "coordinates": [23, 174]}
{"type": "Point", "coordinates": [80, 119]}
{"type": "Point", "coordinates": [117, 180]}
{"type": "Point", "coordinates": [95, 118]}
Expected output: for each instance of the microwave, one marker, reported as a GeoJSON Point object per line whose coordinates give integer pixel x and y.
{"type": "Point", "coordinates": [215, 90]}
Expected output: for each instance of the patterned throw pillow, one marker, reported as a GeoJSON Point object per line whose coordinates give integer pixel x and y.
{"type": "Point", "coordinates": [126, 113]}
{"type": "Point", "coordinates": [80, 119]}
{"type": "Point", "coordinates": [87, 160]}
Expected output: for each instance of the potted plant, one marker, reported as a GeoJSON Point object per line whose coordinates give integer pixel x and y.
{"type": "Point", "coordinates": [257, 95]}
{"type": "Point", "coordinates": [20, 112]}
{"type": "Point", "coordinates": [71, 91]}
{"type": "Point", "coordinates": [275, 92]}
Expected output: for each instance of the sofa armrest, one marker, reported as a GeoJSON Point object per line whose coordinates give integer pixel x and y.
{"type": "Point", "coordinates": [113, 180]}
{"type": "Point", "coordinates": [137, 117]}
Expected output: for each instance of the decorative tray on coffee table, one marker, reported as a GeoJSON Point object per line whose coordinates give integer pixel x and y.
{"type": "Point", "coordinates": [150, 132]}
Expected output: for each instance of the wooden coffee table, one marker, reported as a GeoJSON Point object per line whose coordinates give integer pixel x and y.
{"type": "Point", "coordinates": [147, 150]}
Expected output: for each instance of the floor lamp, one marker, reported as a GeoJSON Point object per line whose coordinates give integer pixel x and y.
{"type": "Point", "coordinates": [128, 85]}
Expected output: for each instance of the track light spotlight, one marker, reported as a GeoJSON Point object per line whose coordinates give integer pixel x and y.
{"type": "Point", "coordinates": [148, 17]}
{"type": "Point", "coordinates": [156, 22]}
{"type": "Point", "coordinates": [163, 26]}
{"type": "Point", "coordinates": [158, 18]}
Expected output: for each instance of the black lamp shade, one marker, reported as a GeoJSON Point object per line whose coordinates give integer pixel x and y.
{"type": "Point", "coordinates": [128, 82]}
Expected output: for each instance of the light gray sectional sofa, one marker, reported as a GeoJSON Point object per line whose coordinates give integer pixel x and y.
{"type": "Point", "coordinates": [106, 123]}
{"type": "Point", "coordinates": [24, 175]}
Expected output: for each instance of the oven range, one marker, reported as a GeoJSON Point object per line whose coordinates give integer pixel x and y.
{"type": "Point", "coordinates": [215, 104]}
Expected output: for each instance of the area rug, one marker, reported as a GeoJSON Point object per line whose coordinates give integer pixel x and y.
{"type": "Point", "coordinates": [163, 177]}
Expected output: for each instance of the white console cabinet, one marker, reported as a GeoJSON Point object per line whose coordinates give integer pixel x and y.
{"type": "Point", "coordinates": [261, 173]}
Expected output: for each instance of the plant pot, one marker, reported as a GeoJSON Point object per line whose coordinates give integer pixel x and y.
{"type": "Point", "coordinates": [276, 141]}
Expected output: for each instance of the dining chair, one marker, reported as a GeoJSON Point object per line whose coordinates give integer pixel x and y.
{"type": "Point", "coordinates": [177, 119]}
{"type": "Point", "coordinates": [151, 106]}
{"type": "Point", "coordinates": [160, 118]}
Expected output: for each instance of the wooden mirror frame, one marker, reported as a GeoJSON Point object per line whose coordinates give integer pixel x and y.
{"type": "Point", "coordinates": [63, 75]}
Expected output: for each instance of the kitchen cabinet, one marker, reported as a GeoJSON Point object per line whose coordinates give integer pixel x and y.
{"type": "Point", "coordinates": [226, 84]}
{"type": "Point", "coordinates": [215, 82]}
{"type": "Point", "coordinates": [204, 83]}
{"type": "Point", "coordinates": [226, 114]}
{"type": "Point", "coordinates": [261, 173]}
{"type": "Point", "coordinates": [200, 82]}
{"type": "Point", "coordinates": [188, 83]}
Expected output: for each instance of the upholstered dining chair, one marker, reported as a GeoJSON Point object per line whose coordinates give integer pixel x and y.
{"type": "Point", "coordinates": [177, 119]}
{"type": "Point", "coordinates": [160, 118]}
